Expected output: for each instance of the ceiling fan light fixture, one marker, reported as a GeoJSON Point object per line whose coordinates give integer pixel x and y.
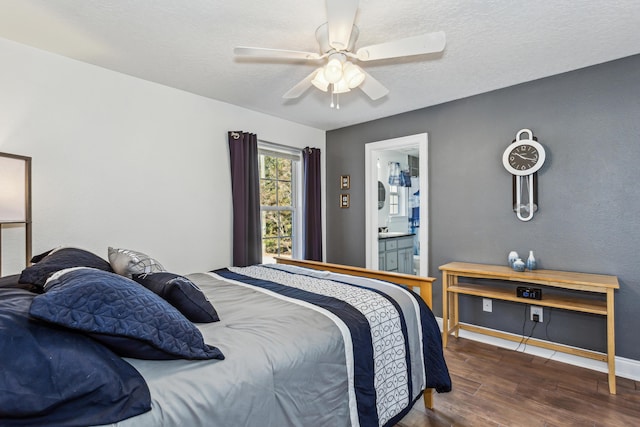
{"type": "Point", "coordinates": [320, 81]}
{"type": "Point", "coordinates": [333, 70]}
{"type": "Point", "coordinates": [353, 75]}
{"type": "Point", "coordinates": [336, 41]}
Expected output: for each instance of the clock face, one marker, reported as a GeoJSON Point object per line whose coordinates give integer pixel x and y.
{"type": "Point", "coordinates": [523, 157]}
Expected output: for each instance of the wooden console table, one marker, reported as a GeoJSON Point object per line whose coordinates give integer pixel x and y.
{"type": "Point", "coordinates": [575, 282]}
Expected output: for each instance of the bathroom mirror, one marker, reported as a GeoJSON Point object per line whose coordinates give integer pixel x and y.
{"type": "Point", "coordinates": [382, 194]}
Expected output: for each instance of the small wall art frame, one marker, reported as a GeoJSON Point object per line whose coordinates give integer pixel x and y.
{"type": "Point", "coordinates": [345, 182]}
{"type": "Point", "coordinates": [344, 200]}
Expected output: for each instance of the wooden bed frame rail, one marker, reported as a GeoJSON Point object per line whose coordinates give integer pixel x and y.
{"type": "Point", "coordinates": [424, 283]}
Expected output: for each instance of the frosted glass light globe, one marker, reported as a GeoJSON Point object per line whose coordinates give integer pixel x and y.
{"type": "Point", "coordinates": [353, 75]}
{"type": "Point", "coordinates": [333, 71]}
{"type": "Point", "coordinates": [319, 81]}
{"type": "Point", "coordinates": [341, 86]}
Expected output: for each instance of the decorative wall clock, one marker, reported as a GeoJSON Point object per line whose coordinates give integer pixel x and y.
{"type": "Point", "coordinates": [523, 158]}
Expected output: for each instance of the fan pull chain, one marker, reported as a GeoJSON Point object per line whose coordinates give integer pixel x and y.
{"type": "Point", "coordinates": [337, 103]}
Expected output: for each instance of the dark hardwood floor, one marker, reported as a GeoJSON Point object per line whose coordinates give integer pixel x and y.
{"type": "Point", "coordinates": [498, 387]}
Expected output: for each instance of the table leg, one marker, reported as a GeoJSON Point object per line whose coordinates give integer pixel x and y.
{"type": "Point", "coordinates": [611, 342]}
{"type": "Point", "coordinates": [445, 308]}
{"type": "Point", "coordinates": [456, 318]}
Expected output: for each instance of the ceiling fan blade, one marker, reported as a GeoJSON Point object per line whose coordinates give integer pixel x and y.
{"type": "Point", "coordinates": [274, 53]}
{"type": "Point", "coordinates": [418, 45]}
{"type": "Point", "coordinates": [340, 17]}
{"type": "Point", "coordinates": [372, 87]}
{"type": "Point", "coordinates": [301, 87]}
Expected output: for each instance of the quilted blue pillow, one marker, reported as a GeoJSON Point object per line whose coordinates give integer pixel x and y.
{"type": "Point", "coordinates": [128, 318]}
{"type": "Point", "coordinates": [181, 293]}
{"type": "Point", "coordinates": [59, 259]}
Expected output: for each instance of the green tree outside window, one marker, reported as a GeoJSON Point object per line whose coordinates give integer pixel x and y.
{"type": "Point", "coordinates": [277, 207]}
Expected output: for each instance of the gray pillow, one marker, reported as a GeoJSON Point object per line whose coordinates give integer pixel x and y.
{"type": "Point", "coordinates": [126, 262]}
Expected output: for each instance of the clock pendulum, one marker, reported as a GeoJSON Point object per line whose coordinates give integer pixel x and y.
{"type": "Point", "coordinates": [523, 158]}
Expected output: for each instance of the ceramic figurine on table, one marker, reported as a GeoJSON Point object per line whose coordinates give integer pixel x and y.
{"type": "Point", "coordinates": [518, 265]}
{"type": "Point", "coordinates": [513, 256]}
{"type": "Point", "coordinates": [532, 264]}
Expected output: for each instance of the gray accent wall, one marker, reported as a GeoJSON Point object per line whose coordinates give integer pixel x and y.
{"type": "Point", "coordinates": [589, 192]}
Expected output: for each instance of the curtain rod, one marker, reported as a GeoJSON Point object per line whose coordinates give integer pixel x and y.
{"type": "Point", "coordinates": [280, 146]}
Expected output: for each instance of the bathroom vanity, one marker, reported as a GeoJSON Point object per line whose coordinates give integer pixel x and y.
{"type": "Point", "coordinates": [395, 252]}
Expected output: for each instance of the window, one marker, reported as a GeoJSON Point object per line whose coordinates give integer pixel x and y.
{"type": "Point", "coordinates": [279, 197]}
{"type": "Point", "coordinates": [394, 200]}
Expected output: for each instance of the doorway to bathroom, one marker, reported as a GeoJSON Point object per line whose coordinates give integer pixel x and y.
{"type": "Point", "coordinates": [396, 200]}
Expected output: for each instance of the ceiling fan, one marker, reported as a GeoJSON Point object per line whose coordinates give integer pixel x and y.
{"type": "Point", "coordinates": [337, 38]}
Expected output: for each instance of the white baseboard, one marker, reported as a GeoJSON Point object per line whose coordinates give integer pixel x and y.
{"type": "Point", "coordinates": [625, 368]}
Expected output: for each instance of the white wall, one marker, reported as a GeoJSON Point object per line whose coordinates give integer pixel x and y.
{"type": "Point", "coordinates": [119, 161]}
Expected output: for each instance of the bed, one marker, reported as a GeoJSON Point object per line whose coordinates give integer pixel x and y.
{"type": "Point", "coordinates": [298, 343]}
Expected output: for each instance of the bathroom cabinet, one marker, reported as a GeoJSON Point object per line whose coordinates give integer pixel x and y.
{"type": "Point", "coordinates": [395, 252]}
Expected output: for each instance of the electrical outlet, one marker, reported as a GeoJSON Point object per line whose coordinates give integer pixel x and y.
{"type": "Point", "coordinates": [486, 305]}
{"type": "Point", "coordinates": [536, 311]}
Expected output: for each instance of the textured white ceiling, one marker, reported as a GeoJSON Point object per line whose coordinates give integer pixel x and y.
{"type": "Point", "coordinates": [187, 44]}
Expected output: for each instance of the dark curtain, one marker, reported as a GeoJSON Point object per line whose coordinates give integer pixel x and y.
{"type": "Point", "coordinates": [245, 190]}
{"type": "Point", "coordinates": [312, 206]}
